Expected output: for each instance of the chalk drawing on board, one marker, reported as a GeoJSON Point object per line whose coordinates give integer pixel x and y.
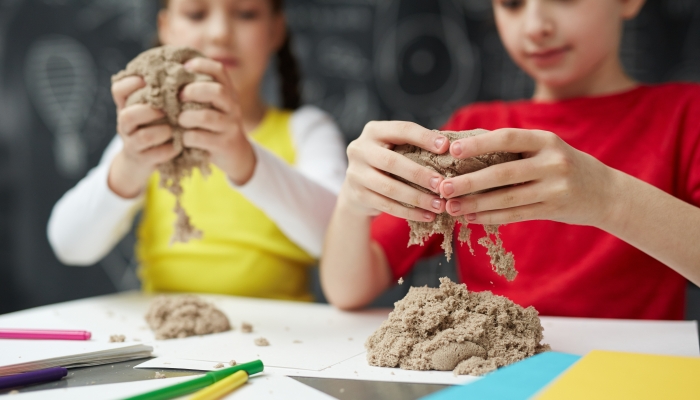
{"type": "Point", "coordinates": [61, 80]}
{"type": "Point", "coordinates": [424, 63]}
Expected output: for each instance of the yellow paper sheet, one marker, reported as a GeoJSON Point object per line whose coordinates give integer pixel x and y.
{"type": "Point", "coordinates": [615, 375]}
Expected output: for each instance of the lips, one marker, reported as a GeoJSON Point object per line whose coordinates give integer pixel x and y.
{"type": "Point", "coordinates": [548, 56]}
{"type": "Point", "coordinates": [229, 62]}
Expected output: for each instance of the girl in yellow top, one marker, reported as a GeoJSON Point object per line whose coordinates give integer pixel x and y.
{"type": "Point", "coordinates": [275, 176]}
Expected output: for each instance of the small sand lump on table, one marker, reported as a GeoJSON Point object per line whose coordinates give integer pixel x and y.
{"type": "Point", "coordinates": [261, 342]}
{"type": "Point", "coordinates": [452, 329]}
{"type": "Point", "coordinates": [444, 164]}
{"type": "Point", "coordinates": [117, 338]}
{"type": "Point", "coordinates": [187, 315]}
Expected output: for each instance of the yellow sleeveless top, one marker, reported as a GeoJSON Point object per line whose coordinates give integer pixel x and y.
{"type": "Point", "coordinates": [242, 251]}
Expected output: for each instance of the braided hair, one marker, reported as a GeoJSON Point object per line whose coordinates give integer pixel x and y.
{"type": "Point", "coordinates": [288, 68]}
{"type": "Point", "coordinates": [287, 65]}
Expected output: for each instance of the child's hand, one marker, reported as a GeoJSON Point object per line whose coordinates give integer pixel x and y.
{"type": "Point", "coordinates": [218, 130]}
{"type": "Point", "coordinates": [553, 181]}
{"type": "Point", "coordinates": [369, 189]}
{"type": "Point", "coordinates": [144, 146]}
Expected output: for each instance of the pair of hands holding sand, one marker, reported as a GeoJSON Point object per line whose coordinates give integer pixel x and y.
{"type": "Point", "coordinates": [218, 130]}
{"type": "Point", "coordinates": [552, 181]}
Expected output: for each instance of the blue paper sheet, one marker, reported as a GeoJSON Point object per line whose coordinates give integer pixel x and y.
{"type": "Point", "coordinates": [521, 380]}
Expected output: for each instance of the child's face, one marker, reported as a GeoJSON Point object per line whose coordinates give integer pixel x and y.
{"type": "Point", "coordinates": [241, 34]}
{"type": "Point", "coordinates": [560, 42]}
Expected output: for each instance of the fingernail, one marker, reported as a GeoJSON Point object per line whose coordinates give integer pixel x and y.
{"type": "Point", "coordinates": [456, 148]}
{"type": "Point", "coordinates": [439, 142]}
{"type": "Point", "coordinates": [427, 215]}
{"type": "Point", "coordinates": [434, 183]}
{"type": "Point", "coordinates": [436, 204]}
{"type": "Point", "coordinates": [471, 217]}
{"type": "Point", "coordinates": [448, 189]}
{"type": "Point", "coordinates": [455, 206]}
{"type": "Point", "coordinates": [188, 65]}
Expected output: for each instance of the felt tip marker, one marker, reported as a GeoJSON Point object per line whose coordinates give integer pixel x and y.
{"type": "Point", "coordinates": [44, 334]}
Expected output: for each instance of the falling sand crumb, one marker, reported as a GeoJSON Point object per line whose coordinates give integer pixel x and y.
{"type": "Point", "coordinates": [261, 342]}
{"type": "Point", "coordinates": [400, 281]}
{"type": "Point", "coordinates": [246, 327]}
{"type": "Point", "coordinates": [502, 262]}
{"type": "Point", "coordinates": [451, 329]}
{"type": "Point", "coordinates": [117, 338]}
{"type": "Point", "coordinates": [185, 315]}
{"type": "Point", "coordinates": [219, 365]}
{"type": "Point", "coordinates": [165, 75]}
{"type": "Point", "coordinates": [160, 375]}
{"type": "Point", "coordinates": [232, 363]}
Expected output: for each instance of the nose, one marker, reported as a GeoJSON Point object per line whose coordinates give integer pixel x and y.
{"type": "Point", "coordinates": [220, 29]}
{"type": "Point", "coordinates": [538, 23]}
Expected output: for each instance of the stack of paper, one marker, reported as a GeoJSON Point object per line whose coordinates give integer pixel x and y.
{"type": "Point", "coordinates": [28, 355]}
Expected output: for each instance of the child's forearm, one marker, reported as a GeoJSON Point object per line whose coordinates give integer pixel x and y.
{"type": "Point", "coordinates": [657, 223]}
{"type": "Point", "coordinates": [353, 268]}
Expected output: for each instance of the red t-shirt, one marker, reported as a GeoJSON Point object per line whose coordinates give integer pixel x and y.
{"type": "Point", "coordinates": [650, 132]}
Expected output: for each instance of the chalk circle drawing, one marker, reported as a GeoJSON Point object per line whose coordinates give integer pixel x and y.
{"type": "Point", "coordinates": [61, 79]}
{"type": "Point", "coordinates": [424, 63]}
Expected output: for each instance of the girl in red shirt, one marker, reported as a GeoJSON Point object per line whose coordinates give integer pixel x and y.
{"type": "Point", "coordinates": [607, 194]}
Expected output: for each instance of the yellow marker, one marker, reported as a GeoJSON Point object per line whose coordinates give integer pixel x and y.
{"type": "Point", "coordinates": [221, 388]}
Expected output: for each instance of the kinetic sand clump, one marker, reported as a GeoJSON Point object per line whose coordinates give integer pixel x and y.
{"type": "Point", "coordinates": [163, 71]}
{"type": "Point", "coordinates": [452, 329]}
{"type": "Point", "coordinates": [261, 341]}
{"type": "Point", "coordinates": [182, 316]}
{"type": "Point", "coordinates": [117, 338]}
{"type": "Point", "coordinates": [448, 166]}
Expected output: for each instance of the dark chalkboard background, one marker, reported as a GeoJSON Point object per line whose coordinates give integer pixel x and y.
{"type": "Point", "coordinates": [362, 59]}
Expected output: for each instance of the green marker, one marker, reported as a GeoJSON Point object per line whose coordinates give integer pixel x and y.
{"type": "Point", "coordinates": [184, 388]}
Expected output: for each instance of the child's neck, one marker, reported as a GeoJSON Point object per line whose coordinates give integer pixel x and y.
{"type": "Point", "coordinates": [608, 78]}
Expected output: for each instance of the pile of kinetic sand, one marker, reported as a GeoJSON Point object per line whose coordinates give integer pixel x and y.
{"type": "Point", "coordinates": [163, 71]}
{"type": "Point", "coordinates": [450, 328]}
{"type": "Point", "coordinates": [181, 316]}
{"type": "Point", "coordinates": [503, 262]}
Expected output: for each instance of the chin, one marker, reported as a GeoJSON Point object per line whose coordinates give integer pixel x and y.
{"type": "Point", "coordinates": [554, 78]}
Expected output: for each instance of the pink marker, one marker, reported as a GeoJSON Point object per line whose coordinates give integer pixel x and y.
{"type": "Point", "coordinates": [44, 334]}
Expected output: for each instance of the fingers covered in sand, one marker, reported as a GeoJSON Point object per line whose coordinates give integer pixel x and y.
{"type": "Point", "coordinates": [123, 88]}
{"type": "Point", "coordinates": [371, 186]}
{"type": "Point", "coordinates": [553, 181]}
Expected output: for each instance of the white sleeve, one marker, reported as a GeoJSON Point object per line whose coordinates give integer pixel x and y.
{"type": "Point", "coordinates": [300, 199]}
{"type": "Point", "coordinates": [90, 219]}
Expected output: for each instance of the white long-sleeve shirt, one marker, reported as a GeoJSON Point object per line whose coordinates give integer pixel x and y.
{"type": "Point", "coordinates": [90, 219]}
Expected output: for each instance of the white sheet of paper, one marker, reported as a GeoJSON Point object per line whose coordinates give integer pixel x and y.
{"type": "Point", "coordinates": [570, 335]}
{"type": "Point", "coordinates": [581, 335]}
{"type": "Point", "coordinates": [355, 368]}
{"type": "Point", "coordinates": [295, 330]}
{"type": "Point", "coordinates": [259, 387]}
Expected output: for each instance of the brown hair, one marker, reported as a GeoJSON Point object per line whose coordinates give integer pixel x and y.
{"type": "Point", "coordinates": [287, 65]}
